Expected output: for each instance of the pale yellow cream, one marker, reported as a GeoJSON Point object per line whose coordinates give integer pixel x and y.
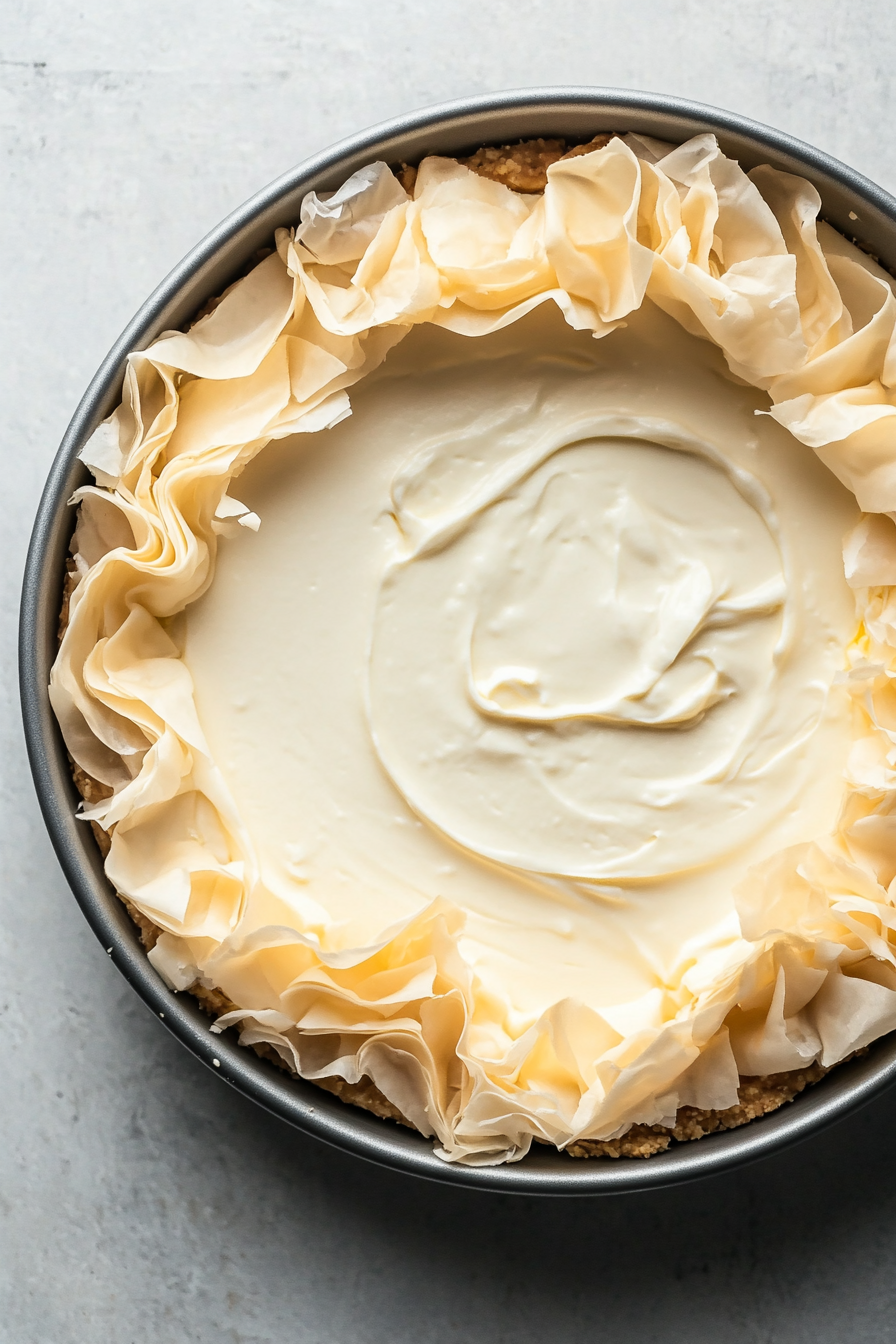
{"type": "Point", "coordinates": [510, 743]}
{"type": "Point", "coordinates": [544, 628]}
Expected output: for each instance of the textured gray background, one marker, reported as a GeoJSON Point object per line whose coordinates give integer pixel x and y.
{"type": "Point", "coordinates": [140, 1199]}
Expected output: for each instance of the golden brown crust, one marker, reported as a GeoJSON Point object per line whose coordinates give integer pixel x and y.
{"type": "Point", "coordinates": [407, 176]}
{"type": "Point", "coordinates": [68, 587]}
{"type": "Point", "coordinates": [598, 142]}
{"type": "Point", "coordinates": [364, 1093]}
{"type": "Point", "coordinates": [756, 1097]}
{"type": "Point", "coordinates": [523, 167]}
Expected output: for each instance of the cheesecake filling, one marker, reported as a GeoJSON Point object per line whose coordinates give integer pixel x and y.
{"type": "Point", "coordinates": [513, 740]}
{"type": "Point", "coordinates": [583, 667]}
{"type": "Point", "coordinates": [531, 648]}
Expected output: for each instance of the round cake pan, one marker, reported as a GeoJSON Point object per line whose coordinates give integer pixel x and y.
{"type": "Point", "coordinates": [854, 205]}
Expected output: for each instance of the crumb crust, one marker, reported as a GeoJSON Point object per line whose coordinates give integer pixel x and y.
{"type": "Point", "coordinates": [522, 167]}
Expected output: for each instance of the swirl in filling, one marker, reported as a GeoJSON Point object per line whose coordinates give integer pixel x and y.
{"type": "Point", "coordinates": [586, 665]}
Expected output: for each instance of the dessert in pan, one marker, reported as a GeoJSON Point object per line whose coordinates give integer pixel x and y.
{"type": "Point", "coordinates": [476, 656]}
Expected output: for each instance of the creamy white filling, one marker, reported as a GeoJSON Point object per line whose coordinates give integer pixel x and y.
{"type": "Point", "coordinates": [549, 627]}
{"type": "Point", "coordinates": [586, 674]}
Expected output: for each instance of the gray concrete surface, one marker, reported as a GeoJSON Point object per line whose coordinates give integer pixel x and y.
{"type": "Point", "coordinates": [140, 1200]}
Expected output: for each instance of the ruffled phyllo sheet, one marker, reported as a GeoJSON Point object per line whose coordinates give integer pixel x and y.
{"type": "Point", "coordinates": [397, 1015]}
